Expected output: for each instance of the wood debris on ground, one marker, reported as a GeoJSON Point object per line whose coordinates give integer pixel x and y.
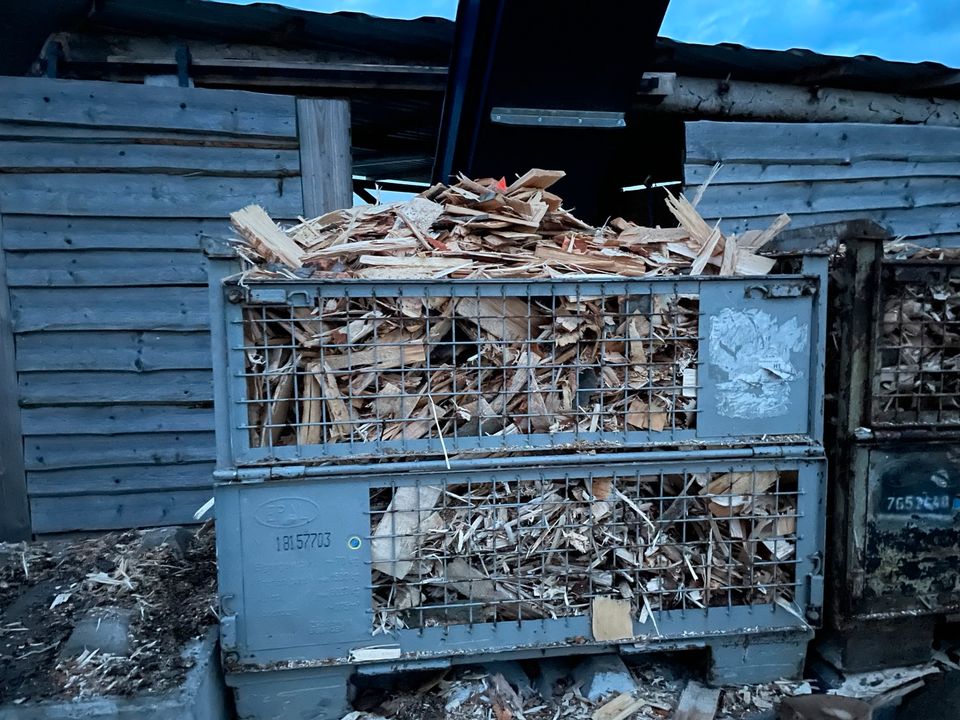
{"type": "Point", "coordinates": [478, 694]}
{"type": "Point", "coordinates": [364, 369]}
{"type": "Point", "coordinates": [484, 552]}
{"type": "Point", "coordinates": [918, 340]}
{"type": "Point", "coordinates": [48, 588]}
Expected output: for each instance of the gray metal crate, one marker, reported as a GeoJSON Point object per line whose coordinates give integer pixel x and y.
{"type": "Point", "coordinates": [339, 370]}
{"type": "Point", "coordinates": [408, 567]}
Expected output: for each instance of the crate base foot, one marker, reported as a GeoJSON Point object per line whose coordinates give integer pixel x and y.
{"type": "Point", "coordinates": [876, 645]}
{"type": "Point", "coordinates": [309, 694]}
{"type": "Point", "coordinates": [752, 659]}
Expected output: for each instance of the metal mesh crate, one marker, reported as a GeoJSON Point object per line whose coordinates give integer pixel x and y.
{"type": "Point", "coordinates": [357, 568]}
{"type": "Point", "coordinates": [916, 380]}
{"type": "Point", "coordinates": [365, 369]}
{"type": "Point", "coordinates": [471, 552]}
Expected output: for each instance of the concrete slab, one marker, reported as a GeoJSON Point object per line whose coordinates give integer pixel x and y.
{"type": "Point", "coordinates": [600, 676]}
{"type": "Point", "coordinates": [201, 696]}
{"type": "Point", "coordinates": [106, 629]}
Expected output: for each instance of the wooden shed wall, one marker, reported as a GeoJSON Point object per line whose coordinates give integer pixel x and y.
{"type": "Point", "coordinates": [105, 191]}
{"type": "Point", "coordinates": [905, 177]}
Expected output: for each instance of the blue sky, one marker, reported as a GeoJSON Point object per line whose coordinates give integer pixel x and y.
{"type": "Point", "coordinates": [911, 30]}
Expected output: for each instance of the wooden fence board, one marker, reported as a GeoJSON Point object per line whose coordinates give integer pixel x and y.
{"type": "Point", "coordinates": [120, 479]}
{"type": "Point", "coordinates": [67, 451]}
{"type": "Point", "coordinates": [116, 419]}
{"type": "Point", "coordinates": [106, 104]}
{"type": "Point", "coordinates": [40, 232]}
{"type": "Point", "coordinates": [109, 388]}
{"type": "Point", "coordinates": [60, 157]}
{"type": "Point", "coordinates": [130, 195]}
{"type": "Point", "coordinates": [113, 350]}
{"type": "Point", "coordinates": [108, 511]}
{"type": "Point", "coordinates": [102, 268]}
{"type": "Point", "coordinates": [162, 308]}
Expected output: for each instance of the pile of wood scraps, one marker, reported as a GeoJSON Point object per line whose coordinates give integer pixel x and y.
{"type": "Point", "coordinates": [483, 552]}
{"type": "Point", "coordinates": [489, 229]}
{"type": "Point", "coordinates": [400, 369]}
{"type": "Point", "coordinates": [919, 350]}
{"type": "Point", "coordinates": [531, 360]}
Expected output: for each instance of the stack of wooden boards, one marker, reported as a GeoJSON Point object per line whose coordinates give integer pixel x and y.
{"type": "Point", "coordinates": [488, 229]}
{"type": "Point", "coordinates": [482, 552]}
{"type": "Point", "coordinates": [391, 368]}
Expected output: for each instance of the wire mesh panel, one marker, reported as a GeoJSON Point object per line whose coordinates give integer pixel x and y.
{"type": "Point", "coordinates": [349, 370]}
{"type": "Point", "coordinates": [917, 355]}
{"type": "Point", "coordinates": [465, 553]}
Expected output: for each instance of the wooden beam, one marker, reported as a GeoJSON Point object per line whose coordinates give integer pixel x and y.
{"type": "Point", "coordinates": [14, 509]}
{"type": "Point", "coordinates": [325, 162]}
{"type": "Point", "coordinates": [709, 98]}
{"type": "Point", "coordinates": [119, 57]}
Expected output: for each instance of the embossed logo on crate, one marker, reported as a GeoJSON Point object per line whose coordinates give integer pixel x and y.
{"type": "Point", "coordinates": [287, 512]}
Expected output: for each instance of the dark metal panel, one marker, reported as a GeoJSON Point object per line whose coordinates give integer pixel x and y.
{"type": "Point", "coordinates": [14, 512]}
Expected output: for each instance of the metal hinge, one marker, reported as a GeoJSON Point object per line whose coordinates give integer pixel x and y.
{"type": "Point", "coordinates": [815, 589]}
{"type": "Point", "coordinates": [228, 633]}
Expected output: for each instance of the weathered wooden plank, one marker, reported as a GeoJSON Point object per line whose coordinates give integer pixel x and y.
{"type": "Point", "coordinates": [110, 388]}
{"type": "Point", "coordinates": [40, 232]}
{"type": "Point", "coordinates": [910, 222]}
{"type": "Point", "coordinates": [120, 479]}
{"type": "Point", "coordinates": [160, 308]}
{"type": "Point", "coordinates": [823, 197]}
{"type": "Point", "coordinates": [14, 131]}
{"type": "Point", "coordinates": [14, 511]}
{"type": "Point", "coordinates": [324, 131]}
{"type": "Point", "coordinates": [123, 105]}
{"type": "Point", "coordinates": [99, 268]}
{"type": "Point", "coordinates": [67, 451]}
{"type": "Point", "coordinates": [829, 143]}
{"type": "Point", "coordinates": [108, 512]}
{"type": "Point", "coordinates": [55, 157]}
{"type": "Point", "coordinates": [736, 173]}
{"type": "Point", "coordinates": [115, 420]}
{"type": "Point", "coordinates": [113, 350]}
{"type": "Point", "coordinates": [130, 195]}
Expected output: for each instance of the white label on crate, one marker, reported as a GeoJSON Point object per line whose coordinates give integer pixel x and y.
{"type": "Point", "coordinates": [755, 353]}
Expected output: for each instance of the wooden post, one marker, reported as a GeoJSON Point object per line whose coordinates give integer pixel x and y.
{"type": "Point", "coordinates": [326, 166]}
{"type": "Point", "coordinates": [14, 510]}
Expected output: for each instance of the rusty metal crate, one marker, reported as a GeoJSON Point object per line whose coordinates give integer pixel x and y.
{"type": "Point", "coordinates": [345, 370]}
{"type": "Point", "coordinates": [408, 566]}
{"type": "Point", "coordinates": [916, 359]}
